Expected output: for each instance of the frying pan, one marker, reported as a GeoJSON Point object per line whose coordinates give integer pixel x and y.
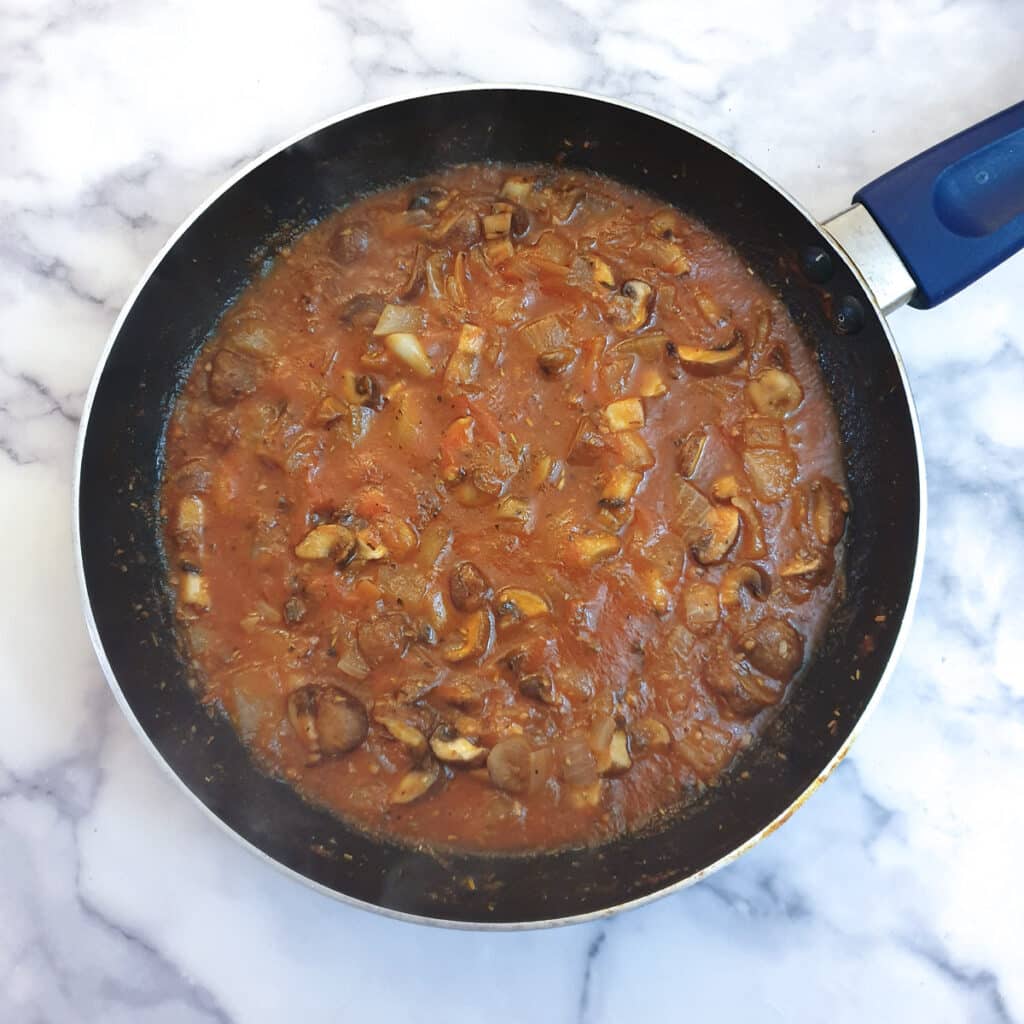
{"type": "Point", "coordinates": [918, 234]}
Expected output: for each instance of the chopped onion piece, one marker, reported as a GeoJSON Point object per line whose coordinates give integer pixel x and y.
{"type": "Point", "coordinates": [407, 349]}
{"type": "Point", "coordinates": [396, 319]}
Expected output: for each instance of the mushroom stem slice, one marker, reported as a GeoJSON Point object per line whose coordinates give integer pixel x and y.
{"type": "Point", "coordinates": [416, 783]}
{"type": "Point", "coordinates": [451, 748]}
{"type": "Point", "coordinates": [591, 548]}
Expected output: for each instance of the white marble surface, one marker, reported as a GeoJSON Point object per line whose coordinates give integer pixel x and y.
{"type": "Point", "coordinates": [895, 895]}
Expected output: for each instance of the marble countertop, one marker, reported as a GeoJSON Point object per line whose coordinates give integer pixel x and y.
{"type": "Point", "coordinates": [894, 895]}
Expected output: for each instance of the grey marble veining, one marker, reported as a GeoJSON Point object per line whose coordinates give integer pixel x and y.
{"type": "Point", "coordinates": [894, 895]}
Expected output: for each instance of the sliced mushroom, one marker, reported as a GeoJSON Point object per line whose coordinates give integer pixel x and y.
{"type": "Point", "coordinates": [688, 452]}
{"type": "Point", "coordinates": [362, 389]}
{"type": "Point", "coordinates": [514, 604]}
{"type": "Point", "coordinates": [725, 487]}
{"type": "Point", "coordinates": [417, 275]}
{"type": "Point", "coordinates": [330, 540]}
{"type": "Point", "coordinates": [384, 638]}
{"type": "Point", "coordinates": [774, 647]}
{"type": "Point", "coordinates": [666, 224]}
{"type": "Point", "coordinates": [349, 243]}
{"type": "Point", "coordinates": [509, 765]}
{"type": "Point", "coordinates": [468, 587]}
{"type": "Point", "coordinates": [302, 716]}
{"type": "Point", "coordinates": [232, 376]}
{"type": "Point", "coordinates": [630, 309]}
{"type": "Point", "coordinates": [650, 735]}
{"type": "Point", "coordinates": [775, 393]}
{"type": "Point", "coordinates": [539, 686]}
{"type": "Point", "coordinates": [556, 360]}
{"type": "Point", "coordinates": [827, 509]}
{"type": "Point", "coordinates": [753, 534]}
{"type": "Point", "coordinates": [706, 361]}
{"type": "Point", "coordinates": [710, 310]}
{"type": "Point", "coordinates": [746, 577]}
{"type": "Point", "coordinates": [408, 735]}
{"type": "Point", "coordinates": [416, 783]}
{"type": "Point", "coordinates": [362, 311]}
{"type": "Point", "coordinates": [624, 414]}
{"type": "Point", "coordinates": [430, 198]}
{"type": "Point", "coordinates": [341, 722]}
{"type": "Point", "coordinates": [370, 546]}
{"type": "Point", "coordinates": [805, 565]}
{"type": "Point", "coordinates": [649, 346]}
{"type": "Point", "coordinates": [721, 528]}
{"type": "Point", "coordinates": [451, 748]}
{"type": "Point", "coordinates": [329, 721]}
{"type": "Point", "coordinates": [476, 639]}
{"type": "Point", "coordinates": [517, 510]}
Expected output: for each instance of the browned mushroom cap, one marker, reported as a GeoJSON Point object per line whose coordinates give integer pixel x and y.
{"type": "Point", "coordinates": [826, 510]}
{"type": "Point", "coordinates": [328, 720]}
{"type": "Point", "coordinates": [468, 587]}
{"type": "Point", "coordinates": [509, 763]}
{"type": "Point", "coordinates": [349, 243]}
{"type": "Point", "coordinates": [751, 578]}
{"type": "Point", "coordinates": [451, 748]}
{"type": "Point", "coordinates": [362, 311]}
{"type": "Point", "coordinates": [556, 360]}
{"type": "Point", "coordinates": [383, 638]}
{"type": "Point", "coordinates": [341, 722]}
{"type": "Point", "coordinates": [775, 393]}
{"type": "Point", "coordinates": [514, 604]}
{"type": "Point", "coordinates": [774, 647]}
{"type": "Point", "coordinates": [416, 783]}
{"type": "Point", "coordinates": [722, 526]}
{"type": "Point", "coordinates": [707, 361]}
{"type": "Point", "coordinates": [737, 686]}
{"type": "Point", "coordinates": [232, 376]}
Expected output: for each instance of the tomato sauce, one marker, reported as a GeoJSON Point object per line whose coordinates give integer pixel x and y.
{"type": "Point", "coordinates": [503, 510]}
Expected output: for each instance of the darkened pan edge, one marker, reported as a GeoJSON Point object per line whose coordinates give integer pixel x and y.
{"type": "Point", "coordinates": [389, 878]}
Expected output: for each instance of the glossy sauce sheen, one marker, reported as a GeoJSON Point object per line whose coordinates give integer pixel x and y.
{"type": "Point", "coordinates": [326, 487]}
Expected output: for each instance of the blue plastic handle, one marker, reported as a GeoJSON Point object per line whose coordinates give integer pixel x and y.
{"type": "Point", "coordinates": [957, 210]}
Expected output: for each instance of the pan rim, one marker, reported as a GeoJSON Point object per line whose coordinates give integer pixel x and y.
{"type": "Point", "coordinates": [421, 919]}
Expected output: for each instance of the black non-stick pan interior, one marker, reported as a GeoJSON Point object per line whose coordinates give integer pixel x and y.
{"type": "Point", "coordinates": [216, 256]}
